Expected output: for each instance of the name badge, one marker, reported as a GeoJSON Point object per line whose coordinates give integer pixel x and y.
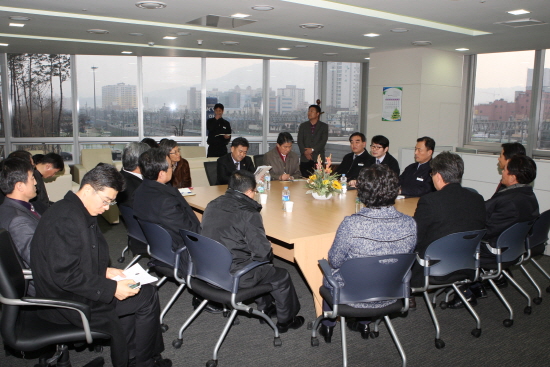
{"type": "Point", "coordinates": [360, 164]}
{"type": "Point", "coordinates": [419, 179]}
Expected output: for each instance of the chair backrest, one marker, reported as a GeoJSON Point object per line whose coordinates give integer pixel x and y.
{"type": "Point", "coordinates": [89, 158]}
{"type": "Point", "coordinates": [192, 151]}
{"type": "Point", "coordinates": [376, 278]}
{"type": "Point", "coordinates": [539, 231]}
{"type": "Point", "coordinates": [159, 241]}
{"type": "Point", "coordinates": [512, 241]}
{"type": "Point", "coordinates": [211, 260]}
{"type": "Point", "coordinates": [211, 169]}
{"type": "Point", "coordinates": [259, 160]}
{"type": "Point", "coordinates": [132, 225]}
{"type": "Point", "coordinates": [454, 252]}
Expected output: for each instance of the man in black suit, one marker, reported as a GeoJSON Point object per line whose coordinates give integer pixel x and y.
{"type": "Point", "coordinates": [415, 179]}
{"type": "Point", "coordinates": [234, 161]}
{"type": "Point", "coordinates": [356, 160]}
{"type": "Point", "coordinates": [131, 172]}
{"type": "Point", "coordinates": [312, 139]}
{"type": "Point", "coordinates": [218, 132]}
{"type": "Point", "coordinates": [508, 151]}
{"type": "Point", "coordinates": [379, 146]}
{"type": "Point", "coordinates": [46, 166]}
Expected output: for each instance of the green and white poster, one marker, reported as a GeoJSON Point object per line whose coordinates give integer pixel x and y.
{"type": "Point", "coordinates": [391, 103]}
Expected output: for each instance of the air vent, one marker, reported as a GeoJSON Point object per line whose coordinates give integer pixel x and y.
{"type": "Point", "coordinates": [422, 43]}
{"type": "Point", "coordinates": [311, 26]}
{"type": "Point", "coordinates": [150, 5]}
{"type": "Point", "coordinates": [525, 22]}
{"type": "Point", "coordinates": [218, 21]}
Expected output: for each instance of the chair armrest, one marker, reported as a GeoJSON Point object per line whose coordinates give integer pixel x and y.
{"type": "Point", "coordinates": [327, 272]}
{"type": "Point", "coordinates": [78, 172]}
{"type": "Point", "coordinates": [237, 276]}
{"type": "Point", "coordinates": [177, 264]}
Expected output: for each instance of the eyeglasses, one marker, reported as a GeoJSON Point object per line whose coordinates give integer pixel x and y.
{"type": "Point", "coordinates": [376, 147]}
{"type": "Point", "coordinates": [176, 152]}
{"type": "Point", "coordinates": [105, 202]}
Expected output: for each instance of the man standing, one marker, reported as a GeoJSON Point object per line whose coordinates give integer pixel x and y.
{"type": "Point", "coordinates": [131, 172]}
{"type": "Point", "coordinates": [234, 220]}
{"type": "Point", "coordinates": [312, 138]}
{"type": "Point", "coordinates": [69, 261]}
{"type": "Point", "coordinates": [285, 164]}
{"type": "Point", "coordinates": [234, 161]}
{"type": "Point", "coordinates": [415, 179]}
{"type": "Point", "coordinates": [379, 146]}
{"type": "Point", "coordinates": [356, 160]}
{"type": "Point", "coordinates": [219, 133]}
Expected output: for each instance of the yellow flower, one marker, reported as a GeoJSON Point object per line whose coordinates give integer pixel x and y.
{"type": "Point", "coordinates": [325, 182]}
{"type": "Point", "coordinates": [336, 185]}
{"type": "Point", "coordinates": [313, 177]}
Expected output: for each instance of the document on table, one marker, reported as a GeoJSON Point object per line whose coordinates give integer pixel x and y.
{"type": "Point", "coordinates": [138, 274]}
{"type": "Point", "coordinates": [186, 191]}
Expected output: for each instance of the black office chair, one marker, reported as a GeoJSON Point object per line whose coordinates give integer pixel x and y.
{"type": "Point", "coordinates": [21, 327]}
{"type": "Point", "coordinates": [510, 250]}
{"type": "Point", "coordinates": [536, 244]}
{"type": "Point", "coordinates": [166, 264]}
{"type": "Point", "coordinates": [137, 243]}
{"type": "Point", "coordinates": [211, 169]}
{"type": "Point", "coordinates": [454, 260]}
{"type": "Point", "coordinates": [210, 278]}
{"type": "Point", "coordinates": [374, 278]}
{"type": "Point", "coordinates": [259, 160]}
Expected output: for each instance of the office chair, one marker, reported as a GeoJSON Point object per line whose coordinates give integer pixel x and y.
{"type": "Point", "coordinates": [449, 262]}
{"type": "Point", "coordinates": [510, 250]}
{"type": "Point", "coordinates": [211, 169]}
{"type": "Point", "coordinates": [160, 249]}
{"type": "Point", "coordinates": [209, 276]}
{"type": "Point", "coordinates": [137, 243]}
{"type": "Point", "coordinates": [258, 160]}
{"type": "Point", "coordinates": [374, 278]}
{"type": "Point", "coordinates": [21, 327]}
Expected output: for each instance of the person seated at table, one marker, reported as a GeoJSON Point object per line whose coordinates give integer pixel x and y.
{"type": "Point", "coordinates": [285, 164]}
{"type": "Point", "coordinates": [131, 172]}
{"type": "Point", "coordinates": [508, 151]}
{"type": "Point", "coordinates": [46, 166]}
{"type": "Point", "coordinates": [234, 161]}
{"type": "Point", "coordinates": [355, 161]}
{"type": "Point", "coordinates": [378, 229]}
{"type": "Point", "coordinates": [181, 175]}
{"type": "Point", "coordinates": [415, 179]}
{"type": "Point", "coordinates": [151, 142]}
{"type": "Point", "coordinates": [379, 146]}
{"type": "Point", "coordinates": [234, 220]}
{"type": "Point", "coordinates": [21, 154]}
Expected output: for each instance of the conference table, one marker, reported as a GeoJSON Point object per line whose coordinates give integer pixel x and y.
{"type": "Point", "coordinates": [304, 235]}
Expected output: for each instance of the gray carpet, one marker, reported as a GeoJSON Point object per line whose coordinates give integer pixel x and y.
{"type": "Point", "coordinates": [251, 344]}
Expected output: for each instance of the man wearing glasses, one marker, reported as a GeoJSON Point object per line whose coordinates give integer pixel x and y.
{"type": "Point", "coordinates": [416, 179]}
{"type": "Point", "coordinates": [356, 160]}
{"type": "Point", "coordinates": [379, 146]}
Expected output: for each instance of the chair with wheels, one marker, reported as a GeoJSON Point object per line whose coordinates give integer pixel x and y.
{"type": "Point", "coordinates": [137, 243]}
{"type": "Point", "coordinates": [165, 261]}
{"type": "Point", "coordinates": [451, 261]}
{"type": "Point", "coordinates": [536, 244]}
{"type": "Point", "coordinates": [21, 327]}
{"type": "Point", "coordinates": [509, 250]}
{"type": "Point", "coordinates": [374, 278]}
{"type": "Point", "coordinates": [211, 169]}
{"type": "Point", "coordinates": [209, 276]}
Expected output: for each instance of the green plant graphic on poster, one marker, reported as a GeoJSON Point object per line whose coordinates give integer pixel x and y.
{"type": "Point", "coordinates": [391, 103]}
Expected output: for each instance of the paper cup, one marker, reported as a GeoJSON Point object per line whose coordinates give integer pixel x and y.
{"type": "Point", "coordinates": [263, 199]}
{"type": "Point", "coordinates": [289, 206]}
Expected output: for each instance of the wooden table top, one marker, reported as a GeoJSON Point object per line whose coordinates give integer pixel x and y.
{"type": "Point", "coordinates": [310, 217]}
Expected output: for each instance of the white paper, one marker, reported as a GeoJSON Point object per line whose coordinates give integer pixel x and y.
{"type": "Point", "coordinates": [138, 274]}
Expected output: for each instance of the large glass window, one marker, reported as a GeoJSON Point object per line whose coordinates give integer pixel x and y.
{"type": "Point", "coordinates": [172, 96]}
{"type": "Point", "coordinates": [107, 96]}
{"type": "Point", "coordinates": [41, 95]}
{"type": "Point", "coordinates": [2, 133]}
{"type": "Point", "coordinates": [502, 97]}
{"type": "Point", "coordinates": [237, 84]}
{"type": "Point", "coordinates": [543, 141]}
{"type": "Point", "coordinates": [64, 150]}
{"type": "Point", "coordinates": [343, 98]}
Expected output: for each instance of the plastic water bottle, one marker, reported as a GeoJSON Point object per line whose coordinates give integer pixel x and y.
{"type": "Point", "coordinates": [267, 181]}
{"type": "Point", "coordinates": [260, 187]}
{"type": "Point", "coordinates": [358, 205]}
{"type": "Point", "coordinates": [344, 182]}
{"type": "Point", "coordinates": [286, 195]}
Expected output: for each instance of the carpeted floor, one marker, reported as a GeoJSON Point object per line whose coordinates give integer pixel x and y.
{"type": "Point", "coordinates": [251, 344]}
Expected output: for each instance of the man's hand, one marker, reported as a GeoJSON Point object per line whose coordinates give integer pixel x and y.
{"type": "Point", "coordinates": [284, 177]}
{"type": "Point", "coordinates": [352, 183]}
{"type": "Point", "coordinates": [227, 136]}
{"type": "Point", "coordinates": [123, 289]}
{"type": "Point", "coordinates": [113, 272]}
{"type": "Point", "coordinates": [308, 153]}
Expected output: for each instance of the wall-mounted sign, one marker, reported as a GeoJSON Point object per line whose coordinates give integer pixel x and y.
{"type": "Point", "coordinates": [391, 103]}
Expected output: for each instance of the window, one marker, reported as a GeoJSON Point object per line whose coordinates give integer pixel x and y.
{"type": "Point", "coordinates": [343, 98]}
{"type": "Point", "coordinates": [543, 141]}
{"type": "Point", "coordinates": [2, 133]}
{"type": "Point", "coordinates": [64, 150]}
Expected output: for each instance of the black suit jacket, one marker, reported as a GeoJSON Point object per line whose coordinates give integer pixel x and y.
{"type": "Point", "coordinates": [416, 181]}
{"type": "Point", "coordinates": [226, 167]}
{"type": "Point", "coordinates": [389, 161]}
{"type": "Point", "coordinates": [126, 197]}
{"type": "Point", "coordinates": [164, 205]}
{"type": "Point", "coordinates": [351, 167]}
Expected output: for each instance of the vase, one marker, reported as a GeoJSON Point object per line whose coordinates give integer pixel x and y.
{"type": "Point", "coordinates": [321, 197]}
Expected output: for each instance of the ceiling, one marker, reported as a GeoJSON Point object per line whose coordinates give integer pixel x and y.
{"type": "Point", "coordinates": [60, 26]}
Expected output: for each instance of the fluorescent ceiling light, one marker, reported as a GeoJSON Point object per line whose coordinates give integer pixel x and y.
{"type": "Point", "coordinates": [169, 38]}
{"type": "Point", "coordinates": [336, 6]}
{"type": "Point", "coordinates": [4, 44]}
{"type": "Point", "coordinates": [283, 49]}
{"type": "Point", "coordinates": [17, 25]}
{"type": "Point", "coordinates": [126, 52]}
{"type": "Point", "coordinates": [371, 35]}
{"type": "Point", "coordinates": [240, 15]}
{"type": "Point", "coordinates": [367, 58]}
{"type": "Point", "coordinates": [173, 26]}
{"type": "Point", "coordinates": [518, 12]}
{"type": "Point", "coordinates": [462, 49]}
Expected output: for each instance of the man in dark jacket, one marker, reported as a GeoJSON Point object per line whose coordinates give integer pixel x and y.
{"type": "Point", "coordinates": [234, 220]}
{"type": "Point", "coordinates": [379, 147]}
{"type": "Point", "coordinates": [219, 133]}
{"type": "Point", "coordinates": [234, 161]}
{"type": "Point", "coordinates": [46, 166]}
{"type": "Point", "coordinates": [415, 179]}
{"type": "Point", "coordinates": [312, 139]}
{"type": "Point", "coordinates": [355, 161]}
{"type": "Point", "coordinates": [69, 258]}
{"type": "Point", "coordinates": [131, 172]}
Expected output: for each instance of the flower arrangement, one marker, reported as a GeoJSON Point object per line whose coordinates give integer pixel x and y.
{"type": "Point", "coordinates": [322, 181]}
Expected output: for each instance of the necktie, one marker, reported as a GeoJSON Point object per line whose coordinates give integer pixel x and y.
{"type": "Point", "coordinates": [237, 165]}
{"type": "Point", "coordinates": [378, 161]}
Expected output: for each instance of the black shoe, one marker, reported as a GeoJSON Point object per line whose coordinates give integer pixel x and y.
{"type": "Point", "coordinates": [212, 307]}
{"type": "Point", "coordinates": [326, 332]}
{"type": "Point", "coordinates": [501, 282]}
{"type": "Point", "coordinates": [364, 329]}
{"type": "Point", "coordinates": [412, 303]}
{"type": "Point", "coordinates": [457, 302]}
{"type": "Point", "coordinates": [479, 292]}
{"type": "Point", "coordinates": [163, 362]}
{"type": "Point", "coordinates": [270, 311]}
{"type": "Point", "coordinates": [295, 323]}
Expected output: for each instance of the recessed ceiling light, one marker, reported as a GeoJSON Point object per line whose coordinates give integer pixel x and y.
{"type": "Point", "coordinates": [4, 44]}
{"type": "Point", "coordinates": [17, 25]}
{"type": "Point", "coordinates": [283, 49]}
{"type": "Point", "coordinates": [126, 52]}
{"type": "Point", "coordinates": [300, 46]}
{"type": "Point", "coordinates": [421, 43]}
{"type": "Point", "coordinates": [367, 58]}
{"type": "Point", "coordinates": [330, 53]}
{"type": "Point", "coordinates": [151, 5]}
{"type": "Point", "coordinates": [20, 18]}
{"type": "Point", "coordinates": [169, 38]}
{"type": "Point", "coordinates": [311, 26]}
{"type": "Point", "coordinates": [230, 43]}
{"type": "Point", "coordinates": [399, 30]}
{"type": "Point", "coordinates": [371, 35]}
{"type": "Point", "coordinates": [518, 12]}
{"type": "Point", "coordinates": [183, 33]}
{"type": "Point", "coordinates": [262, 7]}
{"type": "Point", "coordinates": [137, 34]}
{"type": "Point", "coordinates": [462, 49]}
{"type": "Point", "coordinates": [98, 31]}
{"type": "Point", "coordinates": [240, 15]}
